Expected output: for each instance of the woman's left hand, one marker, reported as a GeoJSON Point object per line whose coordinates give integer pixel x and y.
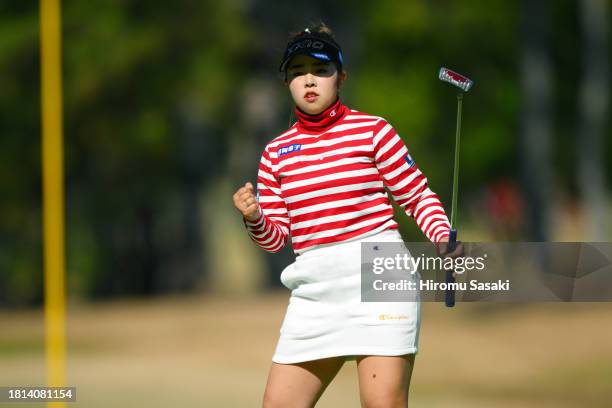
{"type": "Point", "coordinates": [442, 248]}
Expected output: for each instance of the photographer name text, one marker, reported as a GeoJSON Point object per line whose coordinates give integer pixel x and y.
{"type": "Point", "coordinates": [431, 285]}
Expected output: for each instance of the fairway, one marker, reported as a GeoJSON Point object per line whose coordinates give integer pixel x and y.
{"type": "Point", "coordinates": [215, 352]}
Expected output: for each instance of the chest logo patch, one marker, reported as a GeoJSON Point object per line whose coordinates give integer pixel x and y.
{"type": "Point", "coordinates": [289, 149]}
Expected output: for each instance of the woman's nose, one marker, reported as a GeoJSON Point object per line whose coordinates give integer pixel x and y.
{"type": "Point", "coordinates": [309, 79]}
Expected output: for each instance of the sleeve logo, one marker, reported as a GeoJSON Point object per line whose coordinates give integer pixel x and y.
{"type": "Point", "coordinates": [409, 160]}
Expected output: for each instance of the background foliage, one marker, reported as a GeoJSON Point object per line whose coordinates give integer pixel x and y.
{"type": "Point", "coordinates": [168, 103]}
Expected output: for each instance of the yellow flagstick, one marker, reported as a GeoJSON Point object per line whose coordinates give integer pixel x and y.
{"type": "Point", "coordinates": [53, 193]}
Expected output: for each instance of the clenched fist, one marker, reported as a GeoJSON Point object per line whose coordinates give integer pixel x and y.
{"type": "Point", "coordinates": [246, 202]}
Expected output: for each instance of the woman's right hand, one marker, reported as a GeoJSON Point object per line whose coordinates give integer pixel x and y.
{"type": "Point", "coordinates": [246, 202]}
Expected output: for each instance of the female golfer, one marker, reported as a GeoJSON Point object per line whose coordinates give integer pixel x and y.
{"type": "Point", "coordinates": [322, 182]}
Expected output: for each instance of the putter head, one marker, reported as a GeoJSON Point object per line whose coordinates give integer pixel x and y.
{"type": "Point", "coordinates": [460, 81]}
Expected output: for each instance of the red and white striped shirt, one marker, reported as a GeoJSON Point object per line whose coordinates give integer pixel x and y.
{"type": "Point", "coordinates": [323, 181]}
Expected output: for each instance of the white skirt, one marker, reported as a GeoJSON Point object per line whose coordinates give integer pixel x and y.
{"type": "Point", "coordinates": [325, 316]}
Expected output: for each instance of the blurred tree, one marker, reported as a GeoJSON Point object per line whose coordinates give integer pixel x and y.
{"type": "Point", "coordinates": [593, 103]}
{"type": "Point", "coordinates": [536, 119]}
{"type": "Point", "coordinates": [20, 188]}
{"type": "Point", "coordinates": [149, 88]}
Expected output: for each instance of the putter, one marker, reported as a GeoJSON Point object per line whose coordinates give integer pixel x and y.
{"type": "Point", "coordinates": [464, 84]}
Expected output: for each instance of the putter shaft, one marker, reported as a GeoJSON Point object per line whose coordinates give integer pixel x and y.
{"type": "Point", "coordinates": [456, 169]}
{"type": "Point", "coordinates": [449, 297]}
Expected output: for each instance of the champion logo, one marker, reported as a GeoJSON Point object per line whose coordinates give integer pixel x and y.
{"type": "Point", "coordinates": [392, 317]}
{"type": "Point", "coordinates": [289, 149]}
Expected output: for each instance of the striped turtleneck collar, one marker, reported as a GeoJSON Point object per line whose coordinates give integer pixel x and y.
{"type": "Point", "coordinates": [321, 121]}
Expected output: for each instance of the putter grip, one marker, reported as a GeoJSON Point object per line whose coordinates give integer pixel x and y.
{"type": "Point", "coordinates": [449, 295]}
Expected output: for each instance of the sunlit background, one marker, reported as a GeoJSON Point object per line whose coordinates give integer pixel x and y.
{"type": "Point", "coordinates": [167, 109]}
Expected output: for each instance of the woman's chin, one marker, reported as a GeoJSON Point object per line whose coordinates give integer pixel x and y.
{"type": "Point", "coordinates": [312, 108]}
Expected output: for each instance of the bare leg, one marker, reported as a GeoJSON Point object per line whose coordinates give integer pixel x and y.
{"type": "Point", "coordinates": [384, 381]}
{"type": "Point", "coordinates": [299, 385]}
